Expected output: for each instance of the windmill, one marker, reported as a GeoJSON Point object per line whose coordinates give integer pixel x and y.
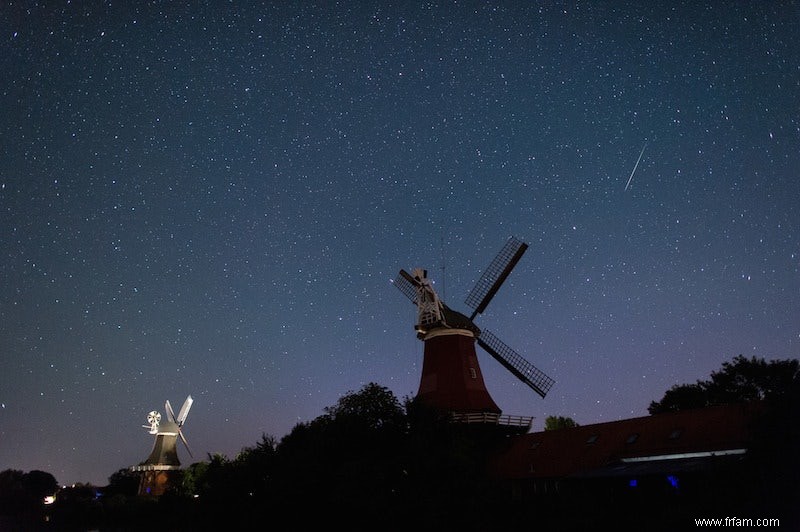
{"type": "Point", "coordinates": [451, 377]}
{"type": "Point", "coordinates": [164, 456]}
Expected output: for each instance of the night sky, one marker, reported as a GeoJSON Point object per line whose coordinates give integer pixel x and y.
{"type": "Point", "coordinates": [212, 199]}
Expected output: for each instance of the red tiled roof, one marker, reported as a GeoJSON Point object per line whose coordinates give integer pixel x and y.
{"type": "Point", "coordinates": [575, 451]}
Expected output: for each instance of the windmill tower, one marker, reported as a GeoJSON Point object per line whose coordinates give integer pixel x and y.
{"type": "Point", "coordinates": [451, 379]}
{"type": "Point", "coordinates": [157, 470]}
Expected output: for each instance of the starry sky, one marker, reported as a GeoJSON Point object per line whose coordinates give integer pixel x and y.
{"type": "Point", "coordinates": [212, 198]}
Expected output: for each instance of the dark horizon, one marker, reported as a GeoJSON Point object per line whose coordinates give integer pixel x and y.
{"type": "Point", "coordinates": [372, 462]}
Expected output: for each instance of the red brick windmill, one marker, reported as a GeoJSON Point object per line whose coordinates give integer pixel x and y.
{"type": "Point", "coordinates": [451, 376]}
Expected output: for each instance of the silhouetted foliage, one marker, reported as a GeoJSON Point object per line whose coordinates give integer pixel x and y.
{"type": "Point", "coordinates": [349, 459]}
{"type": "Point", "coordinates": [254, 467]}
{"type": "Point", "coordinates": [11, 490]}
{"type": "Point", "coordinates": [372, 408]}
{"type": "Point", "coordinates": [772, 463]}
{"type": "Point", "coordinates": [123, 482]}
{"type": "Point", "coordinates": [194, 479]}
{"type": "Point", "coordinates": [77, 505]}
{"type": "Point", "coordinates": [447, 483]}
{"type": "Point", "coordinates": [774, 457]}
{"type": "Point", "coordinates": [370, 462]}
{"type": "Point", "coordinates": [738, 381]}
{"type": "Point", "coordinates": [22, 495]}
{"type": "Point", "coordinates": [559, 422]}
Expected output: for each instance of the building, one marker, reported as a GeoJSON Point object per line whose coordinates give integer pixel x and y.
{"type": "Point", "coordinates": [670, 468]}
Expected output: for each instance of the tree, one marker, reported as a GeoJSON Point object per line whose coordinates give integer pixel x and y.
{"type": "Point", "coordinates": [559, 422]}
{"type": "Point", "coordinates": [123, 482]}
{"type": "Point", "coordinates": [24, 493]}
{"type": "Point", "coordinates": [39, 484]}
{"type": "Point", "coordinates": [348, 460]}
{"type": "Point", "coordinates": [738, 381]}
{"type": "Point", "coordinates": [11, 491]}
{"type": "Point", "coordinates": [373, 407]}
{"type": "Point", "coordinates": [194, 479]}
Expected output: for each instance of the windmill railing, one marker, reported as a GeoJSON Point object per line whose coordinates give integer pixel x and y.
{"type": "Point", "coordinates": [489, 418]}
{"type": "Point", "coordinates": [154, 467]}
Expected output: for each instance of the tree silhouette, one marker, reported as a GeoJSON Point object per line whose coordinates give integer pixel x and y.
{"type": "Point", "coordinates": [347, 461]}
{"type": "Point", "coordinates": [772, 463]}
{"type": "Point", "coordinates": [371, 462]}
{"type": "Point", "coordinates": [22, 494]}
{"type": "Point", "coordinates": [738, 381]}
{"type": "Point", "coordinates": [559, 422]}
{"type": "Point", "coordinates": [123, 482]}
{"type": "Point", "coordinates": [372, 408]}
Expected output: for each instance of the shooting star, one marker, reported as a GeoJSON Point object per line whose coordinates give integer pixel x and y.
{"type": "Point", "coordinates": [635, 166]}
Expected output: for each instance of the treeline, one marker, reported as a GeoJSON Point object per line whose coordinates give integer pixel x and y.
{"type": "Point", "coordinates": [367, 462]}
{"type": "Point", "coordinates": [22, 496]}
{"type": "Point", "coordinates": [372, 462]}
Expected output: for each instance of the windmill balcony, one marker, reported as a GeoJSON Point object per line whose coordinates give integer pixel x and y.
{"type": "Point", "coordinates": [490, 418]}
{"type": "Point", "coordinates": [154, 467]}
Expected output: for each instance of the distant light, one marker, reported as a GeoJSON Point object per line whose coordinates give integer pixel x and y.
{"type": "Point", "coordinates": [632, 483]}
{"type": "Point", "coordinates": [50, 499]}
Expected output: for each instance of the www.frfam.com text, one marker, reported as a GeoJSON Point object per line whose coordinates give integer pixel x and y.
{"type": "Point", "coordinates": [737, 521]}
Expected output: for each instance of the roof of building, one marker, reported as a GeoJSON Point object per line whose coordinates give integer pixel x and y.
{"type": "Point", "coordinates": [686, 439]}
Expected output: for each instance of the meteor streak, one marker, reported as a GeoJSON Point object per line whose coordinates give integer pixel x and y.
{"type": "Point", "coordinates": [635, 166]}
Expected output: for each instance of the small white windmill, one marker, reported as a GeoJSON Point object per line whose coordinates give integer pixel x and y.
{"type": "Point", "coordinates": [165, 448]}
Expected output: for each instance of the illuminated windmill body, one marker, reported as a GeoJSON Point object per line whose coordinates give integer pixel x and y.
{"type": "Point", "coordinates": [451, 376]}
{"type": "Point", "coordinates": [156, 469]}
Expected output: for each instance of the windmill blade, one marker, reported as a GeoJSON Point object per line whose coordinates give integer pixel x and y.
{"type": "Point", "coordinates": [170, 413]}
{"type": "Point", "coordinates": [406, 283]}
{"type": "Point", "coordinates": [494, 276]}
{"type": "Point", "coordinates": [513, 362]}
{"type": "Point", "coordinates": [185, 443]}
{"type": "Point", "coordinates": [184, 410]}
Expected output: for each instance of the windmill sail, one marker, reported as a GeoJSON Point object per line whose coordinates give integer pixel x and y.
{"type": "Point", "coordinates": [182, 415]}
{"type": "Point", "coordinates": [494, 276]}
{"type": "Point", "coordinates": [513, 362]}
{"type": "Point", "coordinates": [184, 410]}
{"type": "Point", "coordinates": [407, 285]}
{"type": "Point", "coordinates": [185, 443]}
{"type": "Point", "coordinates": [170, 413]}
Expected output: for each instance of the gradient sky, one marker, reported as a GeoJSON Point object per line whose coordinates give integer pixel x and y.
{"type": "Point", "coordinates": [212, 198]}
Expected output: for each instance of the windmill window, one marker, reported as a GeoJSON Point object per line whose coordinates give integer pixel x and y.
{"type": "Point", "coordinates": [675, 434]}
{"type": "Point", "coordinates": [591, 439]}
{"type": "Point", "coordinates": [632, 438]}
{"type": "Point", "coordinates": [473, 373]}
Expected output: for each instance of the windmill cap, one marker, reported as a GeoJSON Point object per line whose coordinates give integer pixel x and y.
{"type": "Point", "coordinates": [168, 427]}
